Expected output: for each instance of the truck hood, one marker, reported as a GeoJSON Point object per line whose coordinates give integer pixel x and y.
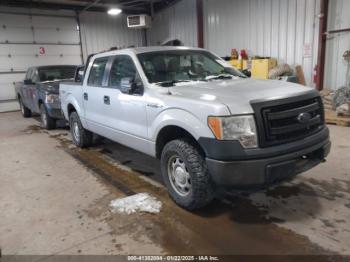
{"type": "Point", "coordinates": [238, 93]}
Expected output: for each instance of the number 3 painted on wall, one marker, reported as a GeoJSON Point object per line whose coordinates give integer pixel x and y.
{"type": "Point", "coordinates": [42, 50]}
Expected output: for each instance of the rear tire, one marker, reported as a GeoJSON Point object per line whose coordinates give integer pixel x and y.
{"type": "Point", "coordinates": [186, 176]}
{"type": "Point", "coordinates": [47, 122]}
{"type": "Point", "coordinates": [81, 137]}
{"type": "Point", "coordinates": [24, 110]}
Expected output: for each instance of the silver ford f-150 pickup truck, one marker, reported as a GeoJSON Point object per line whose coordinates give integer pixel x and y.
{"type": "Point", "coordinates": [209, 125]}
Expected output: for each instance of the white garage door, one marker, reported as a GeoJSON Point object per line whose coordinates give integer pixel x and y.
{"type": "Point", "coordinates": [32, 40]}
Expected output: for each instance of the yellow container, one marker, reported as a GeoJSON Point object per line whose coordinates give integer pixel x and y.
{"type": "Point", "coordinates": [261, 67]}
{"type": "Point", "coordinates": [245, 65]}
{"type": "Point", "coordinates": [236, 63]}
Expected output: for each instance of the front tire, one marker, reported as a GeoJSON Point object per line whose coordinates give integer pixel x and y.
{"type": "Point", "coordinates": [186, 176]}
{"type": "Point", "coordinates": [81, 137]}
{"type": "Point", "coordinates": [47, 122]}
{"type": "Point", "coordinates": [24, 110]}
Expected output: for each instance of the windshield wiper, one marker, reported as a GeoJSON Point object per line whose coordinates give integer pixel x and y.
{"type": "Point", "coordinates": [219, 77]}
{"type": "Point", "coordinates": [173, 82]}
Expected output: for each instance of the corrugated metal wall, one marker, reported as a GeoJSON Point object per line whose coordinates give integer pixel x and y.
{"type": "Point", "coordinates": [101, 32]}
{"type": "Point", "coordinates": [284, 29]}
{"type": "Point", "coordinates": [337, 70]}
{"type": "Point", "coordinates": [178, 21]}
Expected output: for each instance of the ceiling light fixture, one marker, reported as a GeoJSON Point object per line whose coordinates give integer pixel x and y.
{"type": "Point", "coordinates": [114, 11]}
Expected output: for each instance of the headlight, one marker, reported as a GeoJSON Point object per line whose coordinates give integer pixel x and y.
{"type": "Point", "coordinates": [241, 128]}
{"type": "Point", "coordinates": [52, 99]}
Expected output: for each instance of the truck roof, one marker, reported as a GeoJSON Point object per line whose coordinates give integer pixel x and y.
{"type": "Point", "coordinates": [140, 50]}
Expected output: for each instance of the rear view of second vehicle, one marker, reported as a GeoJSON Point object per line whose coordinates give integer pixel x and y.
{"type": "Point", "coordinates": [39, 93]}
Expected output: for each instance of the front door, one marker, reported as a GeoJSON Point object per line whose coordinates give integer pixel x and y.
{"type": "Point", "coordinates": [126, 111]}
{"type": "Point", "coordinates": [33, 92]}
{"type": "Point", "coordinates": [27, 89]}
{"type": "Point", "coordinates": [124, 114]}
{"type": "Point", "coordinates": [109, 112]}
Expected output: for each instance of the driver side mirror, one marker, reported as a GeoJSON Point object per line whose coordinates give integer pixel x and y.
{"type": "Point", "coordinates": [129, 86]}
{"type": "Point", "coordinates": [28, 82]}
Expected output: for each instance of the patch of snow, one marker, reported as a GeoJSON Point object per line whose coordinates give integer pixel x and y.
{"type": "Point", "coordinates": [142, 202]}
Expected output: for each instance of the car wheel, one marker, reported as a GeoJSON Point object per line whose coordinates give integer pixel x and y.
{"type": "Point", "coordinates": [81, 137]}
{"type": "Point", "coordinates": [47, 122]}
{"type": "Point", "coordinates": [186, 176]}
{"type": "Point", "coordinates": [24, 110]}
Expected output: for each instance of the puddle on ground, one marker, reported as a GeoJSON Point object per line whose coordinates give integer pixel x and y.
{"type": "Point", "coordinates": [235, 226]}
{"type": "Point", "coordinates": [336, 185]}
{"type": "Point", "coordinates": [33, 129]}
{"type": "Point", "coordinates": [283, 191]}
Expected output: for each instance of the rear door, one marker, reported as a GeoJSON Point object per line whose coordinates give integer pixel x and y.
{"type": "Point", "coordinates": [93, 95]}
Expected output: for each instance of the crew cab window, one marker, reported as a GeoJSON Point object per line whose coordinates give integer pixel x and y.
{"type": "Point", "coordinates": [122, 68]}
{"type": "Point", "coordinates": [35, 77]}
{"type": "Point", "coordinates": [97, 71]}
{"type": "Point", "coordinates": [29, 74]}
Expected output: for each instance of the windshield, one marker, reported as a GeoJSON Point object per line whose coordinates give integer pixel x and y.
{"type": "Point", "coordinates": [184, 65]}
{"type": "Point", "coordinates": [56, 73]}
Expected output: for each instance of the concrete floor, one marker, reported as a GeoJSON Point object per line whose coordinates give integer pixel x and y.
{"type": "Point", "coordinates": [54, 200]}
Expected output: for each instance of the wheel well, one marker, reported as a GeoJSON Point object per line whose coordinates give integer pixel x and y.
{"type": "Point", "coordinates": [170, 133]}
{"type": "Point", "coordinates": [71, 109]}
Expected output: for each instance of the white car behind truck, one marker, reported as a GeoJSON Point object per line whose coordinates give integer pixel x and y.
{"type": "Point", "coordinates": [209, 125]}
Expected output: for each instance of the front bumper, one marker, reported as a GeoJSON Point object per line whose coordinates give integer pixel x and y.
{"type": "Point", "coordinates": [262, 172]}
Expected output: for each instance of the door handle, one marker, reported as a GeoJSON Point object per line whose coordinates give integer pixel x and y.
{"type": "Point", "coordinates": [86, 96]}
{"type": "Point", "coordinates": [106, 100]}
{"type": "Point", "coordinates": [154, 105]}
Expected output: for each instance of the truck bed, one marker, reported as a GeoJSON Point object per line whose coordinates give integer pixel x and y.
{"type": "Point", "coordinates": [71, 93]}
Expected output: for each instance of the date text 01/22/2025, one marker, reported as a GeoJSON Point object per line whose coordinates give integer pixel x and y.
{"type": "Point", "coordinates": [173, 258]}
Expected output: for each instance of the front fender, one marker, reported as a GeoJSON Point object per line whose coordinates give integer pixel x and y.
{"type": "Point", "coordinates": [181, 118]}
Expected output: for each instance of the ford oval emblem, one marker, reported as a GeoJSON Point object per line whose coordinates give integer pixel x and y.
{"type": "Point", "coordinates": [304, 118]}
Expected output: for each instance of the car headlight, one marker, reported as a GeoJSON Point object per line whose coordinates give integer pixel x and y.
{"type": "Point", "coordinates": [52, 99]}
{"type": "Point", "coordinates": [241, 128]}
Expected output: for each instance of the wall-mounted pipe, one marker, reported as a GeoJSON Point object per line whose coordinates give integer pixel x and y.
{"type": "Point", "coordinates": [337, 31]}
{"type": "Point", "coordinates": [36, 43]}
{"type": "Point", "coordinates": [200, 23]}
{"type": "Point", "coordinates": [321, 58]}
{"type": "Point", "coordinates": [35, 14]}
{"type": "Point", "coordinates": [80, 37]}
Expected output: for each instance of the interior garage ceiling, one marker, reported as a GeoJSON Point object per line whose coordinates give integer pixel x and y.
{"type": "Point", "coordinates": [128, 6]}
